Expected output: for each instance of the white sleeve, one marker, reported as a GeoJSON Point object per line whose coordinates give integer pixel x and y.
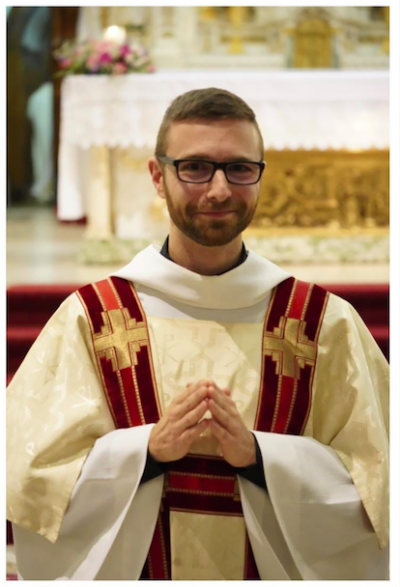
{"type": "Point", "coordinates": [108, 509]}
{"type": "Point", "coordinates": [312, 524]}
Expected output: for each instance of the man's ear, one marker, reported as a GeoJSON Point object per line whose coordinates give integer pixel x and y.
{"type": "Point", "coordinates": [157, 176]}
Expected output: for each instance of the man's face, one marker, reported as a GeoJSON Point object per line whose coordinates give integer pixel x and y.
{"type": "Point", "coordinates": [216, 212]}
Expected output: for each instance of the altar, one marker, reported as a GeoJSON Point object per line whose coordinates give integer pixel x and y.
{"type": "Point", "coordinates": [109, 127]}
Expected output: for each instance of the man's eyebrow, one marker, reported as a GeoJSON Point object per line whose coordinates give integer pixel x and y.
{"type": "Point", "coordinates": [200, 157]}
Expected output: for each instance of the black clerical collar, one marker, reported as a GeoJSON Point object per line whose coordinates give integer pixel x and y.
{"type": "Point", "coordinates": [243, 255]}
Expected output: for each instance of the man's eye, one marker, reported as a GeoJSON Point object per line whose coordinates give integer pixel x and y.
{"type": "Point", "coordinates": [240, 167]}
{"type": "Point", "coordinates": [193, 166]}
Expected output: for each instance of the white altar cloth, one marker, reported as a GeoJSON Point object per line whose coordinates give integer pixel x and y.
{"type": "Point", "coordinates": [295, 109]}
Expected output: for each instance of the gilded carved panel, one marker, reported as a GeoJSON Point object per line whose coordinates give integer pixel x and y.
{"type": "Point", "coordinates": [324, 189]}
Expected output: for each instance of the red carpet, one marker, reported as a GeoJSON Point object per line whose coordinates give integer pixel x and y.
{"type": "Point", "coordinates": [29, 307]}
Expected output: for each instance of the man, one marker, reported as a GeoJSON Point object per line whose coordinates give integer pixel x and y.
{"type": "Point", "coordinates": [201, 414]}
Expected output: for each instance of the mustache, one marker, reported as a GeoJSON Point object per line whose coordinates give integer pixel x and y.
{"type": "Point", "coordinates": [218, 207]}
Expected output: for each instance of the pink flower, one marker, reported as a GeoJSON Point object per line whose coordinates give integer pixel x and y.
{"type": "Point", "coordinates": [119, 68]}
{"type": "Point", "coordinates": [125, 50]}
{"type": "Point", "coordinates": [65, 63]}
{"type": "Point", "coordinates": [102, 56]}
{"type": "Point", "coordinates": [105, 58]}
{"type": "Point", "coordinates": [104, 46]}
{"type": "Point", "coordinates": [92, 63]}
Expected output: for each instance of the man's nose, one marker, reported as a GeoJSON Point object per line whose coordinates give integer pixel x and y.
{"type": "Point", "coordinates": [219, 187]}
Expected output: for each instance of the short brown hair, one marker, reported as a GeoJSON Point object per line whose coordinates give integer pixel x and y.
{"type": "Point", "coordinates": [206, 104]}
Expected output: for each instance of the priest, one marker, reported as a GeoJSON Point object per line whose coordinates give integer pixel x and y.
{"type": "Point", "coordinates": [201, 413]}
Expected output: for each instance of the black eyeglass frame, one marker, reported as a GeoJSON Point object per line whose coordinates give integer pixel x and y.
{"type": "Point", "coordinates": [217, 165]}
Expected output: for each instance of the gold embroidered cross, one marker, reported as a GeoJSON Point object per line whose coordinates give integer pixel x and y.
{"type": "Point", "coordinates": [120, 339]}
{"type": "Point", "coordinates": [290, 347]}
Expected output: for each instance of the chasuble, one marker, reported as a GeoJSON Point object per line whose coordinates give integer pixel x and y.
{"type": "Point", "coordinates": [307, 378]}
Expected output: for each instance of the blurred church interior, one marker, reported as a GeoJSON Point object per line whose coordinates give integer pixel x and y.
{"type": "Point", "coordinates": [80, 202]}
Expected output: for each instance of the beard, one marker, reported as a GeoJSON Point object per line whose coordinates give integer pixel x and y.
{"type": "Point", "coordinates": [211, 232]}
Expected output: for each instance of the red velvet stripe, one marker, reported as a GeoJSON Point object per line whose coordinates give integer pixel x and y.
{"type": "Point", "coordinates": [203, 465]}
{"type": "Point", "coordinates": [302, 402]}
{"type": "Point", "coordinates": [194, 482]}
{"type": "Point", "coordinates": [127, 297]}
{"type": "Point", "coordinates": [196, 502]}
{"type": "Point", "coordinates": [162, 539]}
{"type": "Point", "coordinates": [314, 311]}
{"type": "Point", "coordinates": [145, 575]}
{"type": "Point", "coordinates": [164, 513]}
{"type": "Point", "coordinates": [284, 404]}
{"type": "Point", "coordinates": [298, 412]}
{"type": "Point", "coordinates": [156, 560]}
{"type": "Point", "coordinates": [93, 306]}
{"type": "Point", "coordinates": [130, 396]}
{"type": "Point", "coordinates": [144, 377]}
{"type": "Point", "coordinates": [10, 537]}
{"type": "Point", "coordinates": [107, 295]}
{"type": "Point", "coordinates": [299, 298]}
{"type": "Point", "coordinates": [280, 303]}
{"type": "Point", "coordinates": [143, 370]}
{"type": "Point", "coordinates": [268, 396]}
{"type": "Point", "coordinates": [113, 394]}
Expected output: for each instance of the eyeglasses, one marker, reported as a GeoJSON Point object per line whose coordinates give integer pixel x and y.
{"type": "Point", "coordinates": [199, 171]}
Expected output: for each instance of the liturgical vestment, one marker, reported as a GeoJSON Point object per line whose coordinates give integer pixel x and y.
{"type": "Point", "coordinates": [307, 378]}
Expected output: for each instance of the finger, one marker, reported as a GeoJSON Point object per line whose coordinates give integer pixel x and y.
{"type": "Point", "coordinates": [187, 392]}
{"type": "Point", "coordinates": [215, 388]}
{"type": "Point", "coordinates": [194, 432]}
{"type": "Point", "coordinates": [192, 400]}
{"type": "Point", "coordinates": [192, 417]}
{"type": "Point", "coordinates": [218, 431]}
{"type": "Point", "coordinates": [223, 390]}
{"type": "Point", "coordinates": [223, 400]}
{"type": "Point", "coordinates": [220, 414]}
{"type": "Point", "coordinates": [190, 388]}
{"type": "Point", "coordinates": [213, 385]}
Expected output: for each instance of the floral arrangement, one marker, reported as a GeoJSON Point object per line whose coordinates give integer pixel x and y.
{"type": "Point", "coordinates": [101, 57]}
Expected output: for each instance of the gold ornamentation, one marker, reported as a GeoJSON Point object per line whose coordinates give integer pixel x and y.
{"type": "Point", "coordinates": [207, 13]}
{"type": "Point", "coordinates": [237, 16]}
{"type": "Point", "coordinates": [334, 189]}
{"type": "Point", "coordinates": [120, 339]}
{"type": "Point", "coordinates": [105, 17]}
{"type": "Point", "coordinates": [313, 41]}
{"type": "Point", "coordinates": [386, 41]}
{"type": "Point", "coordinates": [288, 339]}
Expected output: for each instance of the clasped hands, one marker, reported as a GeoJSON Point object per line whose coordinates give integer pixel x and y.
{"type": "Point", "coordinates": [174, 434]}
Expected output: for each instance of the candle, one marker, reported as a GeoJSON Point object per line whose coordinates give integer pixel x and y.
{"type": "Point", "coordinates": [116, 34]}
